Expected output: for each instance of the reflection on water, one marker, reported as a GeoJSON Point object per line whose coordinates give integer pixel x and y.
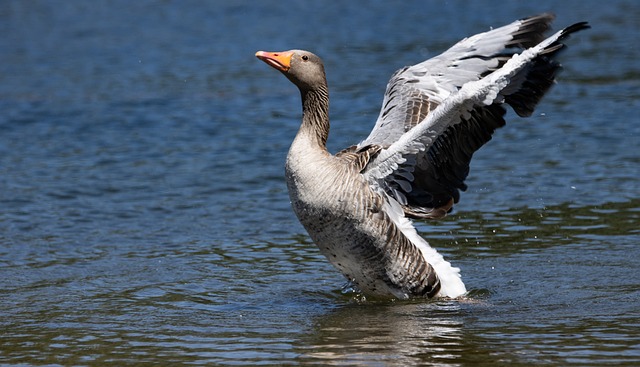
{"type": "Point", "coordinates": [401, 334]}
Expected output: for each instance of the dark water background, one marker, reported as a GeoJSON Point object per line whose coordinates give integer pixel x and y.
{"type": "Point", "coordinates": [144, 218]}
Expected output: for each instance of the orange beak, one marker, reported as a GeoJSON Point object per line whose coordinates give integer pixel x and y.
{"type": "Point", "coordinates": [277, 60]}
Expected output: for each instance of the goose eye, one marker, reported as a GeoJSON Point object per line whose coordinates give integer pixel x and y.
{"type": "Point", "coordinates": [305, 57]}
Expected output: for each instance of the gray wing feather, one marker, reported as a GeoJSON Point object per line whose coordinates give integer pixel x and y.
{"type": "Point", "coordinates": [437, 151]}
{"type": "Point", "coordinates": [413, 92]}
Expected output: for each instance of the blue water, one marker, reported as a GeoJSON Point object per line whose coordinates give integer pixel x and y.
{"type": "Point", "coordinates": [144, 218]}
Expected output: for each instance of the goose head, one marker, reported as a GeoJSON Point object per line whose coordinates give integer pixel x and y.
{"type": "Point", "coordinates": [302, 68]}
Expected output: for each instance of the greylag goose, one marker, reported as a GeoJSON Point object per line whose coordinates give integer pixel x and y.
{"type": "Point", "coordinates": [356, 204]}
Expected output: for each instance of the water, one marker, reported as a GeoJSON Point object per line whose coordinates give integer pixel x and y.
{"type": "Point", "coordinates": [144, 218]}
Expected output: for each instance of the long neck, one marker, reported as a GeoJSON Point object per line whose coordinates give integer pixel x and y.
{"type": "Point", "coordinates": [315, 115]}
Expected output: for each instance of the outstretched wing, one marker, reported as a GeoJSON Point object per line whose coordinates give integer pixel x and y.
{"type": "Point", "coordinates": [436, 114]}
{"type": "Point", "coordinates": [414, 91]}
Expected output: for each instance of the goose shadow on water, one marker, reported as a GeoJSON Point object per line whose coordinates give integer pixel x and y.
{"type": "Point", "coordinates": [400, 333]}
{"type": "Point", "coordinates": [367, 332]}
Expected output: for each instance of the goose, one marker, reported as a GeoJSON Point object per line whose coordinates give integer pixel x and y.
{"type": "Point", "coordinates": [357, 205]}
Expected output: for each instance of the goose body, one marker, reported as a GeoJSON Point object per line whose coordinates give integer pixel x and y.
{"type": "Point", "coordinates": [356, 204]}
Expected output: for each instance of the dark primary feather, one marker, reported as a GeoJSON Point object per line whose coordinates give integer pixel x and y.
{"type": "Point", "coordinates": [539, 76]}
{"type": "Point", "coordinates": [531, 31]}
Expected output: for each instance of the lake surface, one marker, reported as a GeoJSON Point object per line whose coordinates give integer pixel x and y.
{"type": "Point", "coordinates": [144, 218]}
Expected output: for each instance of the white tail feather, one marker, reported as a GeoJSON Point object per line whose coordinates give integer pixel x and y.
{"type": "Point", "coordinates": [450, 281]}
